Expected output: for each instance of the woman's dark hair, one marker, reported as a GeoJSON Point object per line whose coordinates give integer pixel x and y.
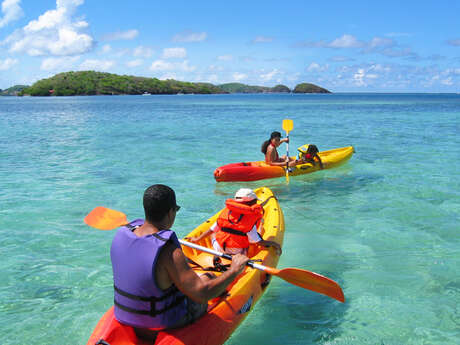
{"type": "Point", "coordinates": [158, 200]}
{"type": "Point", "coordinates": [265, 144]}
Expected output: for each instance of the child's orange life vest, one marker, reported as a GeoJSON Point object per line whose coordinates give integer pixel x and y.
{"type": "Point", "coordinates": [235, 221]}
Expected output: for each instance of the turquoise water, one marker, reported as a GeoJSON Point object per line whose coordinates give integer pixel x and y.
{"type": "Point", "coordinates": [385, 226]}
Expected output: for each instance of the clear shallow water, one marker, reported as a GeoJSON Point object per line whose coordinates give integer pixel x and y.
{"type": "Point", "coordinates": [385, 225]}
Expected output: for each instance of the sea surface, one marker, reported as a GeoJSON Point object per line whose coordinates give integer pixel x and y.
{"type": "Point", "coordinates": [385, 225]}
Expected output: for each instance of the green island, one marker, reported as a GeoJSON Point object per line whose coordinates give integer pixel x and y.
{"type": "Point", "coordinates": [99, 83]}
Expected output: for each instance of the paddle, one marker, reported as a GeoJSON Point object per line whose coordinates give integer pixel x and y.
{"type": "Point", "coordinates": [288, 125]}
{"type": "Point", "coordinates": [103, 218]}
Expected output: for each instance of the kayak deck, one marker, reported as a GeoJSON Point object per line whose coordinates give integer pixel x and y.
{"type": "Point", "coordinates": [224, 313]}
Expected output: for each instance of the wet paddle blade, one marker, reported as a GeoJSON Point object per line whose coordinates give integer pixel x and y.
{"type": "Point", "coordinates": [310, 281]}
{"type": "Point", "coordinates": [103, 218]}
{"type": "Point", "coordinates": [288, 125]}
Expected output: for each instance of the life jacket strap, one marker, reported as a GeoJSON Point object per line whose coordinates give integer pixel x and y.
{"type": "Point", "coordinates": [233, 231]}
{"type": "Point", "coordinates": [153, 311]}
{"type": "Point", "coordinates": [172, 291]}
{"type": "Point", "coordinates": [132, 228]}
{"type": "Point", "coordinates": [239, 218]}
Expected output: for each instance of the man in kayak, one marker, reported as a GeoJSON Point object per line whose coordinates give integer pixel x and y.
{"type": "Point", "coordinates": [154, 285]}
{"type": "Point", "coordinates": [238, 224]}
{"type": "Point", "coordinates": [271, 154]}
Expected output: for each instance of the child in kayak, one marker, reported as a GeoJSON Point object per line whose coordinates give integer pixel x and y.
{"type": "Point", "coordinates": [271, 154]}
{"type": "Point", "coordinates": [238, 224]}
{"type": "Point", "coordinates": [309, 154]}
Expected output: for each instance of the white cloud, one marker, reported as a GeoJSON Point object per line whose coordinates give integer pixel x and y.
{"type": "Point", "coordinates": [59, 64]}
{"type": "Point", "coordinates": [7, 64]}
{"type": "Point", "coordinates": [213, 78]}
{"type": "Point", "coordinates": [184, 66]}
{"type": "Point", "coordinates": [122, 52]}
{"type": "Point", "coordinates": [379, 45]}
{"type": "Point", "coordinates": [225, 58]}
{"type": "Point", "coordinates": [11, 12]}
{"type": "Point", "coordinates": [239, 76]}
{"type": "Point", "coordinates": [362, 77]}
{"type": "Point", "coordinates": [262, 39]}
{"type": "Point", "coordinates": [215, 68]}
{"type": "Point", "coordinates": [380, 68]}
{"type": "Point", "coordinates": [142, 51]}
{"type": "Point", "coordinates": [377, 42]}
{"type": "Point", "coordinates": [168, 76]}
{"type": "Point", "coordinates": [121, 35]}
{"type": "Point", "coordinates": [106, 48]}
{"type": "Point", "coordinates": [53, 33]}
{"type": "Point", "coordinates": [97, 65]}
{"type": "Point", "coordinates": [358, 77]}
{"type": "Point", "coordinates": [190, 37]}
{"type": "Point", "coordinates": [171, 53]}
{"type": "Point", "coordinates": [340, 59]}
{"type": "Point", "coordinates": [315, 67]}
{"type": "Point", "coordinates": [135, 63]}
{"type": "Point", "coordinates": [346, 41]}
{"type": "Point", "coordinates": [161, 65]}
{"type": "Point", "coordinates": [270, 75]}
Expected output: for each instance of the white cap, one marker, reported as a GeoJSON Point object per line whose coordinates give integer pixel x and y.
{"type": "Point", "coordinates": [245, 195]}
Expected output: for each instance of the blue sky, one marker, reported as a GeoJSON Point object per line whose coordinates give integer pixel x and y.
{"type": "Point", "coordinates": [344, 46]}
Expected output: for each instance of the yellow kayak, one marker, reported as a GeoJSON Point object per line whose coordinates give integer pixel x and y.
{"type": "Point", "coordinates": [224, 313]}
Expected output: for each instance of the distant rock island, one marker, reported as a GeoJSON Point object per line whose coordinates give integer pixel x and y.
{"type": "Point", "coordinates": [13, 91]}
{"type": "Point", "coordinates": [99, 83]}
{"type": "Point", "coordinates": [309, 88]}
{"type": "Point", "coordinates": [243, 88]}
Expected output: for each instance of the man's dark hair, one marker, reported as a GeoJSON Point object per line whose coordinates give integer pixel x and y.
{"type": "Point", "coordinates": [158, 200]}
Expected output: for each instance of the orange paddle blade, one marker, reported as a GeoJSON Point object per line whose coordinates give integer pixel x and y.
{"type": "Point", "coordinates": [103, 218]}
{"type": "Point", "coordinates": [310, 281]}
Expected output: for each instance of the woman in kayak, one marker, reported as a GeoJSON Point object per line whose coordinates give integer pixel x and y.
{"type": "Point", "coordinates": [238, 224]}
{"type": "Point", "coordinates": [271, 154]}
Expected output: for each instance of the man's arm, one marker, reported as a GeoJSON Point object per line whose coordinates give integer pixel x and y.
{"type": "Point", "coordinates": [189, 283]}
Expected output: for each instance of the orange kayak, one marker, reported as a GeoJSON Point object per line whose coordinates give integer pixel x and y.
{"type": "Point", "coordinates": [252, 171]}
{"type": "Point", "coordinates": [224, 313]}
